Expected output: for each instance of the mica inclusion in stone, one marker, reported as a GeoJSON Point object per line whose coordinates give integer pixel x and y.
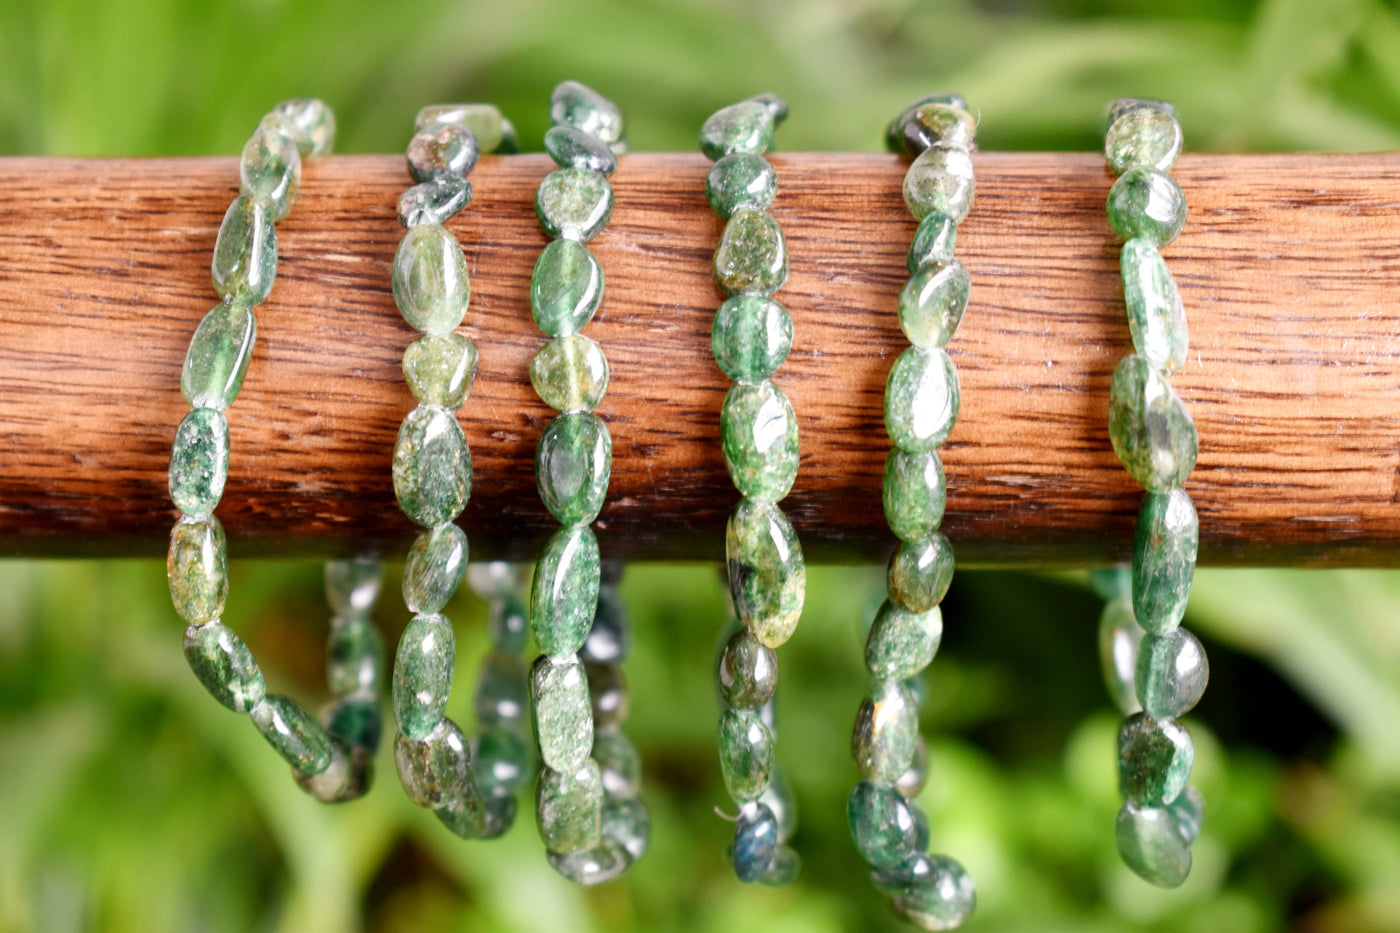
{"type": "Point", "coordinates": [902, 643]}
{"type": "Point", "coordinates": [432, 466]}
{"type": "Point", "coordinates": [564, 593]}
{"type": "Point", "coordinates": [914, 492]}
{"type": "Point", "coordinates": [1144, 137]}
{"type": "Point", "coordinates": [938, 124]}
{"type": "Point", "coordinates": [932, 303]}
{"type": "Point", "coordinates": [1155, 312]}
{"type": "Point", "coordinates": [224, 665]}
{"type": "Point", "coordinates": [1151, 431]}
{"type": "Point", "coordinates": [577, 105]}
{"type": "Point", "coordinates": [484, 121]}
{"type": "Point", "coordinates": [886, 732]}
{"type": "Point", "coordinates": [940, 180]}
{"type": "Point", "coordinates": [1152, 845]}
{"type": "Point", "coordinates": [423, 674]}
{"type": "Point", "coordinates": [1164, 559]}
{"type": "Point", "coordinates": [197, 568]}
{"type": "Point", "coordinates": [752, 255]}
{"type": "Point", "coordinates": [434, 202]}
{"type": "Point", "coordinates": [882, 823]}
{"type": "Point", "coordinates": [441, 151]}
{"type": "Point", "coordinates": [199, 462]}
{"type": "Point", "coordinates": [745, 754]}
{"type": "Point", "coordinates": [570, 373]}
{"type": "Point", "coordinates": [218, 357]}
{"type": "Point", "coordinates": [440, 369]}
{"type": "Point", "coordinates": [758, 431]}
{"type": "Point", "coordinates": [270, 170]}
{"type": "Point", "coordinates": [293, 733]}
{"type": "Point", "coordinates": [743, 127]}
{"type": "Point", "coordinates": [436, 563]}
{"type": "Point", "coordinates": [245, 253]}
{"type": "Point", "coordinates": [934, 241]}
{"type": "Point", "coordinates": [920, 572]}
{"type": "Point", "coordinates": [767, 573]}
{"type": "Point", "coordinates": [751, 337]}
{"type": "Point", "coordinates": [570, 147]}
{"type": "Point", "coordinates": [431, 285]}
{"type": "Point", "coordinates": [921, 399]}
{"type": "Point", "coordinates": [566, 287]}
{"type": "Point", "coordinates": [741, 179]}
{"type": "Point", "coordinates": [569, 808]}
{"type": "Point", "coordinates": [563, 713]}
{"type": "Point", "coordinates": [436, 771]}
{"type": "Point", "coordinates": [1147, 204]}
{"type": "Point", "coordinates": [748, 671]}
{"type": "Point", "coordinates": [1171, 675]}
{"type": "Point", "coordinates": [1154, 759]}
{"type": "Point", "coordinates": [574, 203]}
{"type": "Point", "coordinates": [573, 461]}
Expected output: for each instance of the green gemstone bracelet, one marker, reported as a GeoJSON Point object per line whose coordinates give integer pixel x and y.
{"type": "Point", "coordinates": [767, 575]}
{"type": "Point", "coordinates": [331, 761]}
{"type": "Point", "coordinates": [1157, 671]}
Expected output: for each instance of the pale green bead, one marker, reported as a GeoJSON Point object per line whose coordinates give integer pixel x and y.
{"type": "Point", "coordinates": [563, 712]}
{"type": "Point", "coordinates": [743, 127]}
{"type": "Point", "coordinates": [564, 593]}
{"type": "Point", "coordinates": [566, 287]}
{"type": "Point", "coordinates": [932, 303]}
{"type": "Point", "coordinates": [436, 771]}
{"type": "Point", "coordinates": [577, 105]}
{"type": "Point", "coordinates": [934, 241]}
{"type": "Point", "coordinates": [293, 733]}
{"type": "Point", "coordinates": [1143, 137]}
{"type": "Point", "coordinates": [940, 179]}
{"type": "Point", "coordinates": [352, 586]}
{"type": "Point", "coordinates": [1119, 638]}
{"type": "Point", "coordinates": [1147, 204]}
{"type": "Point", "coordinates": [197, 568]}
{"type": "Point", "coordinates": [902, 643]}
{"type": "Point", "coordinates": [920, 572]}
{"type": "Point", "coordinates": [1155, 313]}
{"type": "Point", "coordinates": [598, 865]}
{"type": "Point", "coordinates": [1154, 759]}
{"type": "Point", "coordinates": [224, 665]}
{"type": "Point", "coordinates": [886, 732]}
{"type": "Point", "coordinates": [423, 674]}
{"type": "Point", "coordinates": [270, 170]}
{"type": "Point", "coordinates": [436, 563]}
{"type": "Point", "coordinates": [938, 124]}
{"type": "Point", "coordinates": [767, 572]}
{"type": "Point", "coordinates": [570, 373]}
{"type": "Point", "coordinates": [619, 762]}
{"type": "Point", "coordinates": [484, 120]}
{"type": "Point", "coordinates": [1172, 673]}
{"type": "Point", "coordinates": [502, 690]}
{"type": "Point", "coordinates": [441, 151]}
{"type": "Point", "coordinates": [245, 253]}
{"type": "Point", "coordinates": [741, 179]}
{"type": "Point", "coordinates": [573, 148]}
{"type": "Point", "coordinates": [1165, 542]}
{"type": "Point", "coordinates": [431, 285]}
{"type": "Point", "coordinates": [310, 122]}
{"type": "Point", "coordinates": [569, 808]}
{"type": "Point", "coordinates": [218, 357]}
{"type": "Point", "coordinates": [1152, 845]}
{"type": "Point", "coordinates": [199, 462]}
{"type": "Point", "coordinates": [440, 369]}
{"type": "Point", "coordinates": [432, 466]}
{"type": "Point", "coordinates": [574, 203]}
{"type": "Point", "coordinates": [921, 399]}
{"type": "Point", "coordinates": [1151, 431]}
{"type": "Point", "coordinates": [354, 656]}
{"type": "Point", "coordinates": [434, 202]}
{"type": "Point", "coordinates": [573, 462]}
{"type": "Point", "coordinates": [751, 337]}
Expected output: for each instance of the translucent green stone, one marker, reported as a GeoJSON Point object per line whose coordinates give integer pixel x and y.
{"type": "Point", "coordinates": [920, 572]}
{"type": "Point", "coordinates": [627, 823]}
{"type": "Point", "coordinates": [507, 622]}
{"type": "Point", "coordinates": [886, 732]}
{"type": "Point", "coordinates": [572, 148]}
{"type": "Point", "coordinates": [619, 763]}
{"type": "Point", "coordinates": [777, 107]}
{"type": "Point", "coordinates": [752, 255]}
{"type": "Point", "coordinates": [780, 799]}
{"type": "Point", "coordinates": [934, 241]}
{"type": "Point", "coordinates": [563, 713]}
{"type": "Point", "coordinates": [938, 124]}
{"type": "Point", "coordinates": [574, 203]}
{"type": "Point", "coordinates": [743, 127]}
{"type": "Point", "coordinates": [354, 656]}
{"type": "Point", "coordinates": [902, 643]}
{"type": "Point", "coordinates": [783, 870]}
{"type": "Point", "coordinates": [1164, 559]}
{"type": "Point", "coordinates": [932, 304]}
{"type": "Point", "coordinates": [598, 865]}
{"type": "Point", "coordinates": [436, 563]}
{"type": "Point", "coordinates": [564, 593]}
{"type": "Point", "coordinates": [436, 771]}
{"type": "Point", "coordinates": [1154, 759]}
{"type": "Point", "coordinates": [921, 399]}
{"type": "Point", "coordinates": [570, 373]}
{"type": "Point", "coordinates": [911, 783]}
{"type": "Point", "coordinates": [484, 120]}
{"type": "Point", "coordinates": [1189, 810]}
{"type": "Point", "coordinates": [1112, 582]}
{"type": "Point", "coordinates": [882, 824]}
{"type": "Point", "coordinates": [1151, 431]}
{"type": "Point", "coordinates": [610, 638]}
{"type": "Point", "coordinates": [502, 690]}
{"type": "Point", "coordinates": [199, 462]}
{"type": "Point", "coordinates": [940, 179]}
{"type": "Point", "coordinates": [311, 123]}
{"type": "Point", "coordinates": [352, 586]}
{"type": "Point", "coordinates": [894, 131]}
{"type": "Point", "coordinates": [566, 288]}
{"type": "Point", "coordinates": [748, 671]}
{"type": "Point", "coordinates": [745, 754]}
{"type": "Point", "coordinates": [434, 202]}
{"type": "Point", "coordinates": [577, 105]}
{"type": "Point", "coordinates": [1147, 204]}
{"type": "Point", "coordinates": [1119, 637]}
{"type": "Point", "coordinates": [573, 461]}
{"type": "Point", "coordinates": [1143, 137]}
{"type": "Point", "coordinates": [741, 179]}
{"type": "Point", "coordinates": [431, 286]}
{"type": "Point", "coordinates": [609, 696]}
{"type": "Point", "coordinates": [751, 337]}
{"type": "Point", "coordinates": [225, 666]}
{"type": "Point", "coordinates": [495, 580]}
{"type": "Point", "coordinates": [767, 574]}
{"type": "Point", "coordinates": [245, 252]}
{"type": "Point", "coordinates": [758, 431]}
{"type": "Point", "coordinates": [341, 780]}
{"type": "Point", "coordinates": [1155, 313]}
{"type": "Point", "coordinates": [218, 357]}
{"type": "Point", "coordinates": [270, 170]}
{"type": "Point", "coordinates": [293, 732]}
{"type": "Point", "coordinates": [1152, 845]}
{"type": "Point", "coordinates": [500, 760]}
{"type": "Point", "coordinates": [569, 808]}
{"type": "Point", "coordinates": [432, 466]}
{"type": "Point", "coordinates": [440, 369]}
{"type": "Point", "coordinates": [441, 150]}
{"type": "Point", "coordinates": [197, 568]}
{"type": "Point", "coordinates": [944, 900]}
{"type": "Point", "coordinates": [356, 722]}
{"type": "Point", "coordinates": [1171, 674]}
{"type": "Point", "coordinates": [470, 815]}
{"type": "Point", "coordinates": [423, 674]}
{"type": "Point", "coordinates": [914, 493]}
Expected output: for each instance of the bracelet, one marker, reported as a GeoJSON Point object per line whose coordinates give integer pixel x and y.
{"type": "Point", "coordinates": [1155, 439]}
{"type": "Point", "coordinates": [767, 575]}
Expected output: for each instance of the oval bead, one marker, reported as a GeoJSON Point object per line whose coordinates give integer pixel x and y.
{"type": "Point", "coordinates": [356, 721]}
{"type": "Point", "coordinates": [573, 462]}
{"type": "Point", "coordinates": [472, 815]}
{"type": "Point", "coordinates": [199, 462]}
{"type": "Point", "coordinates": [432, 467]}
{"type": "Point", "coordinates": [245, 253]}
{"type": "Point", "coordinates": [354, 655]}
{"type": "Point", "coordinates": [436, 771]}
{"type": "Point", "coordinates": [1119, 638]}
{"type": "Point", "coordinates": [500, 761]}
{"type": "Point", "coordinates": [563, 713]}
{"type": "Point", "coordinates": [502, 690]}
{"type": "Point", "coordinates": [609, 640]}
{"type": "Point", "coordinates": [943, 900]}
{"type": "Point", "coordinates": [577, 105]}
{"type": "Point", "coordinates": [1147, 204]}
{"type": "Point", "coordinates": [894, 130]}
{"type": "Point", "coordinates": [293, 733]}
{"type": "Point", "coordinates": [570, 373]}
{"type": "Point", "coordinates": [1188, 810]}
{"type": "Point", "coordinates": [619, 762]}
{"type": "Point", "coordinates": [751, 258]}
{"type": "Point", "coordinates": [1171, 674]}
{"type": "Point", "coordinates": [224, 665]}
{"type": "Point", "coordinates": [1164, 559]}
{"type": "Point", "coordinates": [569, 808]}
{"type": "Point", "coordinates": [1152, 846]}
{"type": "Point", "coordinates": [1143, 137]}
{"type": "Point", "coordinates": [196, 567]}
{"type": "Point", "coordinates": [758, 431]}
{"type": "Point", "coordinates": [570, 147]}
{"type": "Point", "coordinates": [564, 593]}
{"type": "Point", "coordinates": [441, 151]}
{"type": "Point", "coordinates": [745, 754]}
{"type": "Point", "coordinates": [423, 674]}
{"type": "Point", "coordinates": [627, 823]}
{"type": "Point", "coordinates": [598, 865]}
{"type": "Point", "coordinates": [767, 573]}
{"type": "Point", "coordinates": [921, 399]}
{"type": "Point", "coordinates": [270, 170]}
{"type": "Point", "coordinates": [566, 287]}
{"type": "Point", "coordinates": [1155, 313]}
{"type": "Point", "coordinates": [886, 732]}
{"type": "Point", "coordinates": [932, 303]}
{"type": "Point", "coordinates": [938, 124]}
{"type": "Point", "coordinates": [433, 202]}
{"type": "Point", "coordinates": [914, 493]}
{"type": "Point", "coordinates": [352, 586]}
{"type": "Point", "coordinates": [440, 369]}
{"type": "Point", "coordinates": [882, 824]}
{"type": "Point", "coordinates": [310, 122]}
{"type": "Point", "coordinates": [574, 203]}
{"type": "Point", "coordinates": [1151, 431]}
{"type": "Point", "coordinates": [431, 285]}
{"type": "Point", "coordinates": [940, 179]}
{"type": "Point", "coordinates": [741, 179]}
{"type": "Point", "coordinates": [934, 241]}
{"type": "Point", "coordinates": [484, 120]}
{"type": "Point", "coordinates": [920, 572]}
{"type": "Point", "coordinates": [1154, 759]}
{"type": "Point", "coordinates": [902, 643]}
{"type": "Point", "coordinates": [748, 671]}
{"type": "Point", "coordinates": [751, 337]}
{"type": "Point", "coordinates": [755, 842]}
{"type": "Point", "coordinates": [436, 563]}
{"type": "Point", "coordinates": [218, 357]}
{"type": "Point", "coordinates": [743, 127]}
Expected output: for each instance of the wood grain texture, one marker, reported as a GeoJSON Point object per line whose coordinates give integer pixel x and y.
{"type": "Point", "coordinates": [1289, 267]}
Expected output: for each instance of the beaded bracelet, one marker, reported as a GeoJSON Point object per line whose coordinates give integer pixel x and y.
{"type": "Point", "coordinates": [330, 761]}
{"type": "Point", "coordinates": [1155, 439]}
{"type": "Point", "coordinates": [767, 575]}
{"type": "Point", "coordinates": [432, 466]}
{"type": "Point", "coordinates": [573, 461]}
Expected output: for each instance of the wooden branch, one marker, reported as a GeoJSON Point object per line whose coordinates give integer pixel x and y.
{"type": "Point", "coordinates": [1289, 267]}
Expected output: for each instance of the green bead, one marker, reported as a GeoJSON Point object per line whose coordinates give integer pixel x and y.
{"type": "Point", "coordinates": [1119, 638]}
{"type": "Point", "coordinates": [743, 127]}
{"type": "Point", "coordinates": [569, 808]}
{"type": "Point", "coordinates": [502, 690]}
{"type": "Point", "coordinates": [472, 816]}
{"type": "Point", "coordinates": [310, 123]}
{"type": "Point", "coordinates": [942, 898]}
{"type": "Point", "coordinates": [564, 593]}
{"type": "Point", "coordinates": [440, 369]}
{"type": "Point", "coordinates": [199, 462]}
{"type": "Point", "coordinates": [745, 754]}
{"type": "Point", "coordinates": [566, 288]}
{"type": "Point", "coordinates": [1147, 204]}
{"type": "Point", "coordinates": [500, 761]}
{"type": "Point", "coordinates": [577, 105]}
{"type": "Point", "coordinates": [752, 255]}
{"type": "Point", "coordinates": [751, 337]}
{"type": "Point", "coordinates": [197, 568]}
{"type": "Point", "coordinates": [902, 643]}
{"type": "Point", "coordinates": [1151, 431]}
{"type": "Point", "coordinates": [563, 713]}
{"type": "Point", "coordinates": [356, 721]}
{"type": "Point", "coordinates": [436, 770]}
{"type": "Point", "coordinates": [783, 870]}
{"type": "Point", "coordinates": [1164, 559]}
{"type": "Point", "coordinates": [777, 107]}
{"type": "Point", "coordinates": [767, 574]}
{"type": "Point", "coordinates": [441, 150]}
{"type": "Point", "coordinates": [570, 373]}
{"type": "Point", "coordinates": [225, 666]}
{"type": "Point", "coordinates": [921, 399]}
{"type": "Point", "coordinates": [608, 693]}
{"type": "Point", "coordinates": [882, 823]}
{"type": "Point", "coordinates": [940, 179]}
{"type": "Point", "coordinates": [938, 124]}
{"type": "Point", "coordinates": [920, 572]}
{"type": "Point", "coordinates": [914, 492]}
{"type": "Point", "coordinates": [758, 429]}
{"type": "Point", "coordinates": [431, 285]}
{"type": "Point", "coordinates": [574, 203]}
{"type": "Point", "coordinates": [218, 357]}
{"type": "Point", "coordinates": [934, 241]}
{"type": "Point", "coordinates": [1152, 845]}
{"type": "Point", "coordinates": [432, 467]}
{"type": "Point", "coordinates": [1171, 675]}
{"type": "Point", "coordinates": [1112, 582]}
{"type": "Point", "coordinates": [932, 304]}
{"type": "Point", "coordinates": [1188, 810]}
{"type": "Point", "coordinates": [245, 253]}
{"type": "Point", "coordinates": [619, 762]}
{"type": "Point", "coordinates": [627, 823]}
{"type": "Point", "coordinates": [741, 179]}
{"type": "Point", "coordinates": [434, 202]}
{"type": "Point", "coordinates": [894, 131]}
{"type": "Point", "coordinates": [354, 655]}
{"type": "Point", "coordinates": [436, 563]}
{"type": "Point", "coordinates": [598, 865]}
{"type": "Point", "coordinates": [293, 733]}
{"type": "Point", "coordinates": [423, 674]}
{"type": "Point", "coordinates": [1143, 137]}
{"type": "Point", "coordinates": [270, 170]}
{"type": "Point", "coordinates": [484, 120]}
{"type": "Point", "coordinates": [886, 732]}
{"type": "Point", "coordinates": [1155, 314]}
{"type": "Point", "coordinates": [573, 148]}
{"type": "Point", "coordinates": [748, 671]}
{"type": "Point", "coordinates": [1154, 759]}
{"type": "Point", "coordinates": [572, 464]}
{"type": "Point", "coordinates": [352, 586]}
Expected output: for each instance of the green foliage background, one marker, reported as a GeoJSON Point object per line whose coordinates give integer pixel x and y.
{"type": "Point", "coordinates": [129, 801]}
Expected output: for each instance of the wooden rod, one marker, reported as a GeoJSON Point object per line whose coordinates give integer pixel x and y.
{"type": "Point", "coordinates": [1289, 267]}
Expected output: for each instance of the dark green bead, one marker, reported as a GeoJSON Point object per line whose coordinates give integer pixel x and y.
{"type": "Point", "coordinates": [218, 357]}
{"type": "Point", "coordinates": [310, 122]}
{"type": "Point", "coordinates": [566, 288]}
{"type": "Point", "coordinates": [1143, 137]}
{"type": "Point", "coordinates": [882, 824]}
{"type": "Point", "coordinates": [1119, 638]}
{"type": "Point", "coordinates": [1164, 559]}
{"type": "Point", "coordinates": [502, 690]}
{"type": "Point", "coordinates": [434, 202]}
{"type": "Point", "coordinates": [199, 462]}
{"type": "Point", "coordinates": [934, 241]}
{"type": "Point", "coordinates": [597, 865]}
{"type": "Point", "coordinates": [431, 284]}
{"type": "Point", "coordinates": [902, 643]}
{"type": "Point", "coordinates": [752, 255]}
{"type": "Point", "coordinates": [743, 127]}
{"type": "Point", "coordinates": [758, 429]}
{"type": "Point", "coordinates": [245, 253]}
{"type": "Point", "coordinates": [356, 721]}
{"type": "Point", "coordinates": [745, 754]}
{"type": "Point", "coordinates": [940, 179]}
{"type": "Point", "coordinates": [894, 131]}
{"type": "Point", "coordinates": [751, 337]}
{"type": "Point", "coordinates": [354, 656]}
{"type": "Point", "coordinates": [942, 901]}
{"type": "Point", "coordinates": [225, 666]}
{"type": "Point", "coordinates": [570, 373]}
{"type": "Point", "coordinates": [436, 563]}
{"type": "Point", "coordinates": [938, 124]}
{"type": "Point", "coordinates": [1189, 810]}
{"type": "Point", "coordinates": [1155, 313]}
{"type": "Point", "coordinates": [577, 105]}
{"type": "Point", "coordinates": [436, 771]}
{"type": "Point", "coordinates": [741, 179]}
{"type": "Point", "coordinates": [921, 399]}
{"type": "Point", "coordinates": [1147, 204]}
{"type": "Point", "coordinates": [573, 461]}
{"type": "Point", "coordinates": [432, 467]}
{"type": "Point", "coordinates": [1152, 845]}
{"type": "Point", "coordinates": [574, 203]}
{"type": "Point", "coordinates": [500, 761]}
{"type": "Point", "coordinates": [564, 593]}
{"type": "Point", "coordinates": [423, 674]}
{"type": "Point", "coordinates": [914, 493]}
{"type": "Point", "coordinates": [573, 148]}
{"type": "Point", "coordinates": [608, 694]}
{"type": "Point", "coordinates": [932, 303]}
{"type": "Point", "coordinates": [440, 369]}
{"type": "Point", "coordinates": [1154, 759]}
{"type": "Point", "coordinates": [619, 762]}
{"type": "Point", "coordinates": [920, 572]}
{"type": "Point", "coordinates": [270, 170]}
{"type": "Point", "coordinates": [748, 671]}
{"type": "Point", "coordinates": [569, 808]}
{"type": "Point", "coordinates": [484, 120]}
{"type": "Point", "coordinates": [886, 732]}
{"type": "Point", "coordinates": [441, 150]}
{"type": "Point", "coordinates": [293, 733]}
{"type": "Point", "coordinates": [627, 823]}
{"type": "Point", "coordinates": [767, 573]}
{"type": "Point", "coordinates": [471, 815]}
{"type": "Point", "coordinates": [1171, 674]}
{"type": "Point", "coordinates": [563, 713]}
{"type": "Point", "coordinates": [1151, 431]}
{"type": "Point", "coordinates": [196, 568]}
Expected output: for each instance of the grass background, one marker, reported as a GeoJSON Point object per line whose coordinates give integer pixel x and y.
{"type": "Point", "coordinates": [129, 801]}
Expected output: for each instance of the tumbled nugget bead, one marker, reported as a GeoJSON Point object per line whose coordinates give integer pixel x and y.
{"type": "Point", "coordinates": [920, 572]}
{"type": "Point", "coordinates": [441, 150]}
{"type": "Point", "coordinates": [752, 255]}
{"type": "Point", "coordinates": [569, 808]}
{"type": "Point", "coordinates": [932, 303]}
{"type": "Point", "coordinates": [440, 369]}
{"type": "Point", "coordinates": [563, 712]}
{"type": "Point", "coordinates": [484, 120]}
{"type": "Point", "coordinates": [751, 337]}
{"type": "Point", "coordinates": [224, 665]}
{"type": "Point", "coordinates": [882, 823]}
{"type": "Point", "coordinates": [431, 285]}
{"type": "Point", "coordinates": [894, 130]}
{"type": "Point", "coordinates": [436, 563]}
{"type": "Point", "coordinates": [311, 122]}
{"type": "Point", "coordinates": [434, 202]}
{"type": "Point", "coordinates": [1188, 810]}
{"type": "Point", "coordinates": [940, 179]}
{"type": "Point", "coordinates": [1165, 543]}
{"type": "Point", "coordinates": [745, 754]}
{"type": "Point", "coordinates": [356, 721]}
{"type": "Point", "coordinates": [573, 461]}
{"type": "Point", "coordinates": [1155, 313]}
{"type": "Point", "coordinates": [574, 203]}
{"type": "Point", "coordinates": [748, 671]}
{"type": "Point", "coordinates": [1147, 204]}
{"type": "Point", "coordinates": [933, 242]}
{"type": "Point", "coordinates": [1154, 760]}
{"type": "Point", "coordinates": [619, 763]}
{"type": "Point", "coordinates": [902, 643]}
{"type": "Point", "coordinates": [610, 638]}
{"type": "Point", "coordinates": [570, 373]}
{"type": "Point", "coordinates": [468, 816]}
{"type": "Point", "coordinates": [1152, 845]}
{"type": "Point", "coordinates": [218, 357]}
{"type": "Point", "coordinates": [1151, 431]}
{"type": "Point", "coordinates": [767, 573]}
{"type": "Point", "coordinates": [352, 586]}
{"type": "Point", "coordinates": [938, 124]}
{"type": "Point", "coordinates": [293, 732]}
{"type": "Point", "coordinates": [943, 901]}
{"type": "Point", "coordinates": [1171, 674]}
{"type": "Point", "coordinates": [608, 694]}
{"type": "Point", "coordinates": [197, 568]}
{"type": "Point", "coordinates": [423, 674]}
{"type": "Point", "coordinates": [199, 462]}
{"type": "Point", "coordinates": [743, 127]}
{"type": "Point", "coordinates": [915, 493]}
{"type": "Point", "coordinates": [1119, 637]}
{"type": "Point", "coordinates": [502, 690]}
{"type": "Point", "coordinates": [886, 732]}
{"type": "Point", "coordinates": [755, 841]}
{"type": "Point", "coordinates": [354, 655]}
{"type": "Point", "coordinates": [564, 592]}
{"type": "Point", "coordinates": [570, 147]}
{"type": "Point", "coordinates": [436, 770]}
{"type": "Point", "coordinates": [758, 431]}
{"type": "Point", "coordinates": [921, 399]}
{"type": "Point", "coordinates": [741, 179]}
{"type": "Point", "coordinates": [245, 252]}
{"type": "Point", "coordinates": [1143, 137]}
{"type": "Point", "coordinates": [500, 760]}
{"type": "Point", "coordinates": [596, 865]}
{"type": "Point", "coordinates": [577, 105]}
{"type": "Point", "coordinates": [270, 170]}
{"type": "Point", "coordinates": [432, 466]}
{"type": "Point", "coordinates": [566, 287]}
